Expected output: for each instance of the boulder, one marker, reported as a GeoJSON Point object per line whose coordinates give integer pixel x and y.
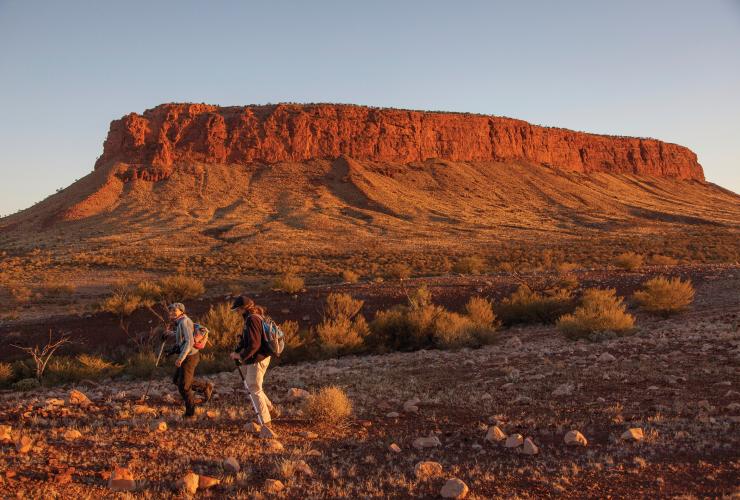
{"type": "Point", "coordinates": [514, 441]}
{"type": "Point", "coordinates": [231, 465]}
{"type": "Point", "coordinates": [495, 434]}
{"type": "Point", "coordinates": [428, 469]}
{"type": "Point", "coordinates": [575, 438]}
{"type": "Point", "coordinates": [78, 398]}
{"type": "Point", "coordinates": [427, 442]}
{"type": "Point", "coordinates": [454, 488]}
{"type": "Point", "coordinates": [121, 479]}
{"type": "Point", "coordinates": [633, 434]}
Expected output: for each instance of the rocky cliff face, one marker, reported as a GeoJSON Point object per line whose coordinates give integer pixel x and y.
{"type": "Point", "coordinates": [152, 143]}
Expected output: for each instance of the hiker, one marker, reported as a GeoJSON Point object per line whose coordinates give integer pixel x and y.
{"type": "Point", "coordinates": [255, 353]}
{"type": "Point", "coordinates": [187, 359]}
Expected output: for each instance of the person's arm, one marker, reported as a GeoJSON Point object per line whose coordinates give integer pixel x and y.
{"type": "Point", "coordinates": [254, 335]}
{"type": "Point", "coordinates": [186, 331]}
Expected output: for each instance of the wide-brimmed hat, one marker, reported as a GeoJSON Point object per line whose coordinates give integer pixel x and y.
{"type": "Point", "coordinates": [242, 301]}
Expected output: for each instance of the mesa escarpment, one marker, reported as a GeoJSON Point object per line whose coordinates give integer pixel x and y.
{"type": "Point", "coordinates": [152, 143]}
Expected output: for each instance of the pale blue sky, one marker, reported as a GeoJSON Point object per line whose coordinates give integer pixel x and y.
{"type": "Point", "coordinates": [666, 69]}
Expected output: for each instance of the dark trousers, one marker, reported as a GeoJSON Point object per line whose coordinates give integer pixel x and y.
{"type": "Point", "coordinates": [186, 383]}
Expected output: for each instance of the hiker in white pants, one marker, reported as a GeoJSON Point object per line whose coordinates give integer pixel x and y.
{"type": "Point", "coordinates": [255, 353]}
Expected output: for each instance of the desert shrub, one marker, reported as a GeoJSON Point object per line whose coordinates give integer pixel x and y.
{"type": "Point", "coordinates": [350, 276]}
{"type": "Point", "coordinates": [665, 296]}
{"type": "Point", "coordinates": [121, 303]}
{"type": "Point", "coordinates": [26, 384]}
{"type": "Point", "coordinates": [566, 267]}
{"type": "Point", "coordinates": [398, 271]}
{"type": "Point", "coordinates": [6, 374]}
{"type": "Point", "coordinates": [224, 325]}
{"type": "Point", "coordinates": [629, 261]}
{"type": "Point", "coordinates": [179, 288]}
{"type": "Point", "coordinates": [343, 328]}
{"type": "Point", "coordinates": [663, 260]}
{"type": "Point", "coordinates": [148, 291]}
{"type": "Point", "coordinates": [451, 330]}
{"type": "Point", "coordinates": [330, 405]}
{"type": "Point", "coordinates": [600, 311]}
{"type": "Point", "coordinates": [85, 366]}
{"type": "Point", "coordinates": [300, 345]}
{"type": "Point", "coordinates": [141, 364]}
{"type": "Point", "coordinates": [59, 289]}
{"type": "Point", "coordinates": [21, 294]}
{"type": "Point", "coordinates": [471, 264]}
{"type": "Point", "coordinates": [480, 312]}
{"type": "Point", "coordinates": [289, 283]}
{"type": "Point", "coordinates": [215, 362]}
{"type": "Point", "coordinates": [527, 306]}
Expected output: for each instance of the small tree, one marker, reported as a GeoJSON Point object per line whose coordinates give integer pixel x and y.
{"type": "Point", "coordinates": [42, 354]}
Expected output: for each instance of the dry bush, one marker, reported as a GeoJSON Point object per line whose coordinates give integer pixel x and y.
{"type": "Point", "coordinates": [343, 328]}
{"type": "Point", "coordinates": [21, 294]}
{"type": "Point", "coordinates": [665, 296]}
{"type": "Point", "coordinates": [148, 291]}
{"type": "Point", "coordinates": [224, 325]}
{"type": "Point", "coordinates": [179, 288]}
{"type": "Point", "coordinates": [141, 364]}
{"type": "Point", "coordinates": [300, 345]}
{"type": "Point", "coordinates": [566, 267]}
{"type": "Point", "coordinates": [26, 384]}
{"type": "Point", "coordinates": [472, 264]}
{"type": "Point", "coordinates": [84, 366]}
{"type": "Point", "coordinates": [59, 289]}
{"type": "Point", "coordinates": [663, 260]}
{"type": "Point", "coordinates": [349, 276]}
{"type": "Point", "coordinates": [398, 271]}
{"type": "Point", "coordinates": [629, 261]}
{"type": "Point", "coordinates": [121, 303]}
{"type": "Point", "coordinates": [528, 306]}
{"type": "Point", "coordinates": [289, 283]}
{"type": "Point", "coordinates": [480, 312]}
{"type": "Point", "coordinates": [451, 330]}
{"type": "Point", "coordinates": [600, 311]}
{"type": "Point", "coordinates": [330, 405]}
{"type": "Point", "coordinates": [6, 374]}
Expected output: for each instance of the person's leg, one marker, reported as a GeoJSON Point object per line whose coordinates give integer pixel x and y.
{"type": "Point", "coordinates": [255, 376]}
{"type": "Point", "coordinates": [185, 383]}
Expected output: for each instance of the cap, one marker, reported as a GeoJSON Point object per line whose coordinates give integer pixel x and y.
{"type": "Point", "coordinates": [241, 301]}
{"type": "Point", "coordinates": [177, 305]}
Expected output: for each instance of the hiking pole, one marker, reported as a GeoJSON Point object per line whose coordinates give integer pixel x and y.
{"type": "Point", "coordinates": [251, 397]}
{"type": "Point", "coordinates": [151, 377]}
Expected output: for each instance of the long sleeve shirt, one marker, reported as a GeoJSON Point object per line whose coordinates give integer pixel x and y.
{"type": "Point", "coordinates": [184, 337]}
{"type": "Point", "coordinates": [250, 344]}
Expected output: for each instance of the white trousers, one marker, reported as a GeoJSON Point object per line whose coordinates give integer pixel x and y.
{"type": "Point", "coordinates": [255, 376]}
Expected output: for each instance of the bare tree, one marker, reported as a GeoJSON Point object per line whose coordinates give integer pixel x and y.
{"type": "Point", "coordinates": [42, 354]}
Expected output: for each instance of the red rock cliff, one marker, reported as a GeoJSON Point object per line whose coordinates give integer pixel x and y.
{"type": "Point", "coordinates": [173, 133]}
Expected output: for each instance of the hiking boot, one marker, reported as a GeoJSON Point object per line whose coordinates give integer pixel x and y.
{"type": "Point", "coordinates": [208, 392]}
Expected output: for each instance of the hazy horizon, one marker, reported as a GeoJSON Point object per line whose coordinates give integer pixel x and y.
{"type": "Point", "coordinates": [670, 73]}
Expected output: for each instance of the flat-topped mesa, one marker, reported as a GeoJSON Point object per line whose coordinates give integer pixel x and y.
{"type": "Point", "coordinates": [178, 133]}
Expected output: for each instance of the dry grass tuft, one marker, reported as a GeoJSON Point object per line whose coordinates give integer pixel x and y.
{"type": "Point", "coordinates": [329, 405]}
{"type": "Point", "coordinates": [528, 306]}
{"type": "Point", "coordinates": [6, 374]}
{"type": "Point", "coordinates": [223, 325]}
{"type": "Point", "coordinates": [629, 261]}
{"type": "Point", "coordinates": [289, 283]}
{"type": "Point", "coordinates": [343, 328]}
{"type": "Point", "coordinates": [665, 296]}
{"type": "Point", "coordinates": [180, 287]}
{"type": "Point", "coordinates": [472, 264]}
{"type": "Point", "coordinates": [600, 311]}
{"type": "Point", "coordinates": [349, 276]}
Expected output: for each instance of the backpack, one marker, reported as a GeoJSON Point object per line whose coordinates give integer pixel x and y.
{"type": "Point", "coordinates": [272, 336]}
{"type": "Point", "coordinates": [200, 336]}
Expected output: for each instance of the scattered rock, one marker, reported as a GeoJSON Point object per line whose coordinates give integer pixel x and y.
{"type": "Point", "coordinates": [411, 406]}
{"type": "Point", "coordinates": [634, 434]}
{"type": "Point", "coordinates": [160, 426]}
{"type": "Point", "coordinates": [300, 467]}
{"type": "Point", "coordinates": [495, 434]}
{"type": "Point", "coordinates": [231, 465]}
{"type": "Point", "coordinates": [529, 447]}
{"type": "Point", "coordinates": [273, 486]}
{"type": "Point", "coordinates": [606, 358]}
{"type": "Point", "coordinates": [188, 483]}
{"type": "Point", "coordinates": [267, 433]}
{"type": "Point", "coordinates": [428, 469]}
{"type": "Point", "coordinates": [394, 448]}
{"type": "Point", "coordinates": [514, 441]}
{"type": "Point", "coordinates": [454, 488]}
{"type": "Point", "coordinates": [23, 444]}
{"type": "Point", "coordinates": [78, 398]}
{"type": "Point", "coordinates": [575, 438]}
{"type": "Point", "coordinates": [121, 479]}
{"type": "Point", "coordinates": [393, 414]}
{"type": "Point", "coordinates": [205, 482]}
{"type": "Point", "coordinates": [308, 434]}
{"type": "Point", "coordinates": [144, 410]}
{"type": "Point", "coordinates": [295, 394]}
{"type": "Point", "coordinates": [72, 435]}
{"type": "Point", "coordinates": [427, 442]}
{"type": "Point", "coordinates": [54, 402]}
{"type": "Point", "coordinates": [272, 445]}
{"type": "Point", "coordinates": [564, 390]}
{"type": "Point", "coordinates": [212, 414]}
{"type": "Point", "coordinates": [5, 431]}
{"type": "Point", "coordinates": [513, 342]}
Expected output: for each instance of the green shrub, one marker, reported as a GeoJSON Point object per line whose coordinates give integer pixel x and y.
{"type": "Point", "coordinates": [665, 296]}
{"type": "Point", "coordinates": [224, 325]}
{"type": "Point", "coordinates": [343, 328]}
{"type": "Point", "coordinates": [600, 311]}
{"type": "Point", "coordinates": [289, 283]}
{"type": "Point", "coordinates": [527, 306]}
{"type": "Point", "coordinates": [6, 374]}
{"type": "Point", "coordinates": [141, 364]}
{"type": "Point", "coordinates": [472, 264]}
{"type": "Point", "coordinates": [629, 261]}
{"type": "Point", "coordinates": [180, 288]}
{"type": "Point", "coordinates": [330, 405]}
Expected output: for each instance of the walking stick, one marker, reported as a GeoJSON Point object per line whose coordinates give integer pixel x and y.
{"type": "Point", "coordinates": [151, 377]}
{"type": "Point", "coordinates": [251, 397]}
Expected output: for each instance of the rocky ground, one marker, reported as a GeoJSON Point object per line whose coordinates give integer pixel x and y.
{"type": "Point", "coordinates": [657, 415]}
